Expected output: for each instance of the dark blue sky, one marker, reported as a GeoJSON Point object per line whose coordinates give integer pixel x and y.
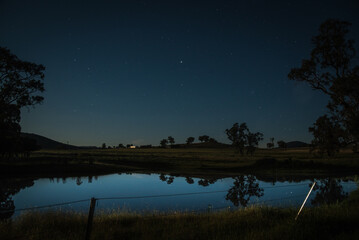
{"type": "Point", "coordinates": [139, 71]}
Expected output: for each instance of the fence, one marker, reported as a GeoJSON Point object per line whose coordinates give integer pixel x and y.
{"type": "Point", "coordinates": [93, 202]}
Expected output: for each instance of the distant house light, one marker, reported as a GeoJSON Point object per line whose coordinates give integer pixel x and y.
{"type": "Point", "coordinates": [132, 146]}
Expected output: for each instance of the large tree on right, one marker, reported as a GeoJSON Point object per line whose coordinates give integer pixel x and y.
{"type": "Point", "coordinates": [331, 69]}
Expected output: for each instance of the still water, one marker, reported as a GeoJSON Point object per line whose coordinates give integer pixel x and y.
{"type": "Point", "coordinates": [159, 192]}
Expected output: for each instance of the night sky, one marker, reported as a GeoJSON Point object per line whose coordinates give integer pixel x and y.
{"type": "Point", "coordinates": [140, 71]}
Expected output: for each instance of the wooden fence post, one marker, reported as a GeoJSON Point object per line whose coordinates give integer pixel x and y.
{"type": "Point", "coordinates": [90, 218]}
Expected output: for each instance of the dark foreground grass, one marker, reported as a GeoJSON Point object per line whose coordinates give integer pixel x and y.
{"type": "Point", "coordinates": [338, 221]}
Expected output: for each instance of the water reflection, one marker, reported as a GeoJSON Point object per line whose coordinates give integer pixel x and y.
{"type": "Point", "coordinates": [239, 190]}
{"type": "Point", "coordinates": [244, 187]}
{"type": "Point", "coordinates": [79, 180]}
{"type": "Point", "coordinates": [328, 191]}
{"type": "Point", "coordinates": [8, 188]}
{"type": "Point", "coordinates": [168, 179]}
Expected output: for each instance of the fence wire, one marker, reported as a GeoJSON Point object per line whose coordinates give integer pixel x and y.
{"type": "Point", "coordinates": [156, 196]}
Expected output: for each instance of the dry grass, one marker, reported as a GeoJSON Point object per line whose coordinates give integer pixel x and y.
{"type": "Point", "coordinates": [338, 221]}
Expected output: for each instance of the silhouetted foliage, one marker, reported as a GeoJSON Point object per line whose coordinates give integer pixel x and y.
{"type": "Point", "coordinates": [79, 181]}
{"type": "Point", "coordinates": [20, 81]}
{"type": "Point", "coordinates": [146, 146]}
{"type": "Point", "coordinates": [203, 138]}
{"type": "Point", "coordinates": [328, 136]}
{"type": "Point", "coordinates": [171, 140]}
{"type": "Point", "coordinates": [271, 143]}
{"type": "Point", "coordinates": [329, 191]}
{"type": "Point", "coordinates": [244, 187]}
{"type": "Point", "coordinates": [253, 140]}
{"type": "Point", "coordinates": [242, 138]}
{"type": "Point", "coordinates": [237, 135]}
{"type": "Point", "coordinates": [8, 188]}
{"type": "Point", "coordinates": [331, 70]}
{"type": "Point", "coordinates": [168, 180]}
{"type": "Point", "coordinates": [190, 140]}
{"type": "Point", "coordinates": [189, 180]}
{"type": "Point", "coordinates": [103, 146]}
{"type": "Point", "coordinates": [121, 145]}
{"type": "Point", "coordinates": [164, 143]}
{"type": "Point", "coordinates": [206, 181]}
{"type": "Point", "coordinates": [282, 144]}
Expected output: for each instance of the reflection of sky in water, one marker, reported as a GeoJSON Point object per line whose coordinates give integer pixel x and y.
{"type": "Point", "coordinates": [46, 191]}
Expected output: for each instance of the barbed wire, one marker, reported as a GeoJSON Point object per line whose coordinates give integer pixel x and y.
{"type": "Point", "coordinates": [45, 206]}
{"type": "Point", "coordinates": [153, 196]}
{"type": "Point", "coordinates": [191, 193]}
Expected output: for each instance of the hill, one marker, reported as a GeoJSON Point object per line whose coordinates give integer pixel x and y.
{"type": "Point", "coordinates": [47, 143]}
{"type": "Point", "coordinates": [297, 144]}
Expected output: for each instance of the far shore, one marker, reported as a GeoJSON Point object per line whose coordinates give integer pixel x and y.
{"type": "Point", "coordinates": [219, 162]}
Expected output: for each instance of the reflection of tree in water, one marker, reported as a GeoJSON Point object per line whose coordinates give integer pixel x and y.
{"type": "Point", "coordinates": [79, 181]}
{"type": "Point", "coordinates": [203, 181]}
{"type": "Point", "coordinates": [168, 179]}
{"type": "Point", "coordinates": [244, 187]}
{"type": "Point", "coordinates": [328, 191]}
{"type": "Point", "coordinates": [189, 180]}
{"type": "Point", "coordinates": [8, 188]}
{"type": "Point", "coordinates": [206, 182]}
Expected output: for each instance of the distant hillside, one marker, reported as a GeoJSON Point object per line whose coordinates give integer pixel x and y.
{"type": "Point", "coordinates": [297, 144]}
{"type": "Point", "coordinates": [46, 143]}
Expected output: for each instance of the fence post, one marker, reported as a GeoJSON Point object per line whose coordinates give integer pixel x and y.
{"type": "Point", "coordinates": [90, 218]}
{"type": "Point", "coordinates": [305, 201]}
{"type": "Point", "coordinates": [209, 209]}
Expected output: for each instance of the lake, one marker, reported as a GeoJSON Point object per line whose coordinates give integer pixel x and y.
{"type": "Point", "coordinates": [160, 192]}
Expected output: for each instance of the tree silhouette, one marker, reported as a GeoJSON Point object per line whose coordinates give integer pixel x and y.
{"type": "Point", "coordinates": [328, 136]}
{"type": "Point", "coordinates": [190, 140]}
{"type": "Point", "coordinates": [237, 135]}
{"type": "Point", "coordinates": [331, 70]}
{"type": "Point", "coordinates": [20, 81]}
{"type": "Point", "coordinates": [171, 140]}
{"type": "Point", "coordinates": [282, 144]}
{"type": "Point", "coordinates": [164, 143]}
{"type": "Point", "coordinates": [203, 138]}
{"type": "Point", "coordinates": [271, 143]}
{"type": "Point", "coordinates": [253, 140]}
{"type": "Point", "coordinates": [242, 138]}
{"type": "Point", "coordinates": [103, 146]}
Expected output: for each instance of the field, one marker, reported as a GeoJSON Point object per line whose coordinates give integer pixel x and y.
{"type": "Point", "coordinates": [337, 221]}
{"type": "Point", "coordinates": [193, 161]}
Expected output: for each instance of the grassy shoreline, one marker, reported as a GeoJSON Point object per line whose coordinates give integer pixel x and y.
{"type": "Point", "coordinates": [337, 221]}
